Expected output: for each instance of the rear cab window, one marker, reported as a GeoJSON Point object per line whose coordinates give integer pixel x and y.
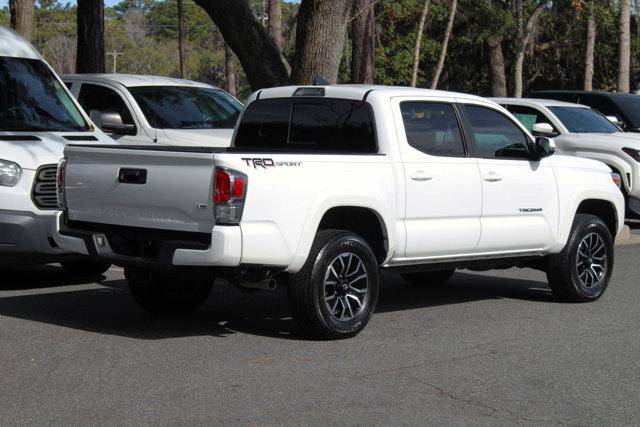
{"type": "Point", "coordinates": [323, 125]}
{"type": "Point", "coordinates": [432, 128]}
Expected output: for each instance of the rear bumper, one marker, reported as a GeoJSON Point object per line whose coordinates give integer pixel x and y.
{"type": "Point", "coordinates": [225, 249]}
{"type": "Point", "coordinates": [26, 238]}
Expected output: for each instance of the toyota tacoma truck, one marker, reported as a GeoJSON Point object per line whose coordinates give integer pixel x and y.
{"type": "Point", "coordinates": [325, 186]}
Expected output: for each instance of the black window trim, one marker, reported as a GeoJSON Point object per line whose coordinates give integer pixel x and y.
{"type": "Point", "coordinates": [456, 111]}
{"type": "Point", "coordinates": [125, 101]}
{"type": "Point", "coordinates": [468, 127]}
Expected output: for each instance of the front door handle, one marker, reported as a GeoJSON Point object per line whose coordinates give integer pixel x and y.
{"type": "Point", "coordinates": [420, 176]}
{"type": "Point", "coordinates": [492, 177]}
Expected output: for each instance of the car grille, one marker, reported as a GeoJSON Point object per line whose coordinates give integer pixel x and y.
{"type": "Point", "coordinates": [44, 187]}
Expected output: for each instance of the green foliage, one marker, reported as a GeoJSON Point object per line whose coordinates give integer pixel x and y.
{"type": "Point", "coordinates": [144, 33]}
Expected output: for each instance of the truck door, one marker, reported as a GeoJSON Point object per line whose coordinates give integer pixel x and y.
{"type": "Point", "coordinates": [520, 196]}
{"type": "Point", "coordinates": [443, 189]}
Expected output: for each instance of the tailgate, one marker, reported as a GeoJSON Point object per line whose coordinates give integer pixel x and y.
{"type": "Point", "coordinates": [166, 188]}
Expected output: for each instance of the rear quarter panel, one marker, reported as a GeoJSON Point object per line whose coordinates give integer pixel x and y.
{"type": "Point", "coordinates": [288, 194]}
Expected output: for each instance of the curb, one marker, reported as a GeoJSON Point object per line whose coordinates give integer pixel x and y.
{"type": "Point", "coordinates": [627, 238]}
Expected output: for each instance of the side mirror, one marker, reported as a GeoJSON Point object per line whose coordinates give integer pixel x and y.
{"type": "Point", "coordinates": [111, 122]}
{"type": "Point", "coordinates": [543, 129]}
{"type": "Point", "coordinates": [544, 147]}
{"type": "Point", "coordinates": [615, 121]}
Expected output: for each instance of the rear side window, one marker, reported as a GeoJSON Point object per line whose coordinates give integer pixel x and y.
{"type": "Point", "coordinates": [495, 135]}
{"type": "Point", "coordinates": [432, 128]}
{"type": "Point", "coordinates": [307, 124]}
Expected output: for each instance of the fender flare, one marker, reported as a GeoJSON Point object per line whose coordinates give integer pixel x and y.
{"type": "Point", "coordinates": [581, 194]}
{"type": "Point", "coordinates": [335, 198]}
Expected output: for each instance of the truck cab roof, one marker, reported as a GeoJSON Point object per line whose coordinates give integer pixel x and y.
{"type": "Point", "coordinates": [350, 91]}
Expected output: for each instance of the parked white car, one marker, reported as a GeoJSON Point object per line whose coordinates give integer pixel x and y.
{"type": "Point", "coordinates": [150, 109]}
{"type": "Point", "coordinates": [38, 118]}
{"type": "Point", "coordinates": [325, 186]}
{"type": "Point", "coordinates": [578, 130]}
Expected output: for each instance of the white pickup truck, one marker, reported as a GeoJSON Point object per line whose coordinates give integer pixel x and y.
{"type": "Point", "coordinates": [324, 186]}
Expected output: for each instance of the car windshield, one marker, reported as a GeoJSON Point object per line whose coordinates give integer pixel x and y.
{"type": "Point", "coordinates": [32, 99]}
{"type": "Point", "coordinates": [583, 120]}
{"type": "Point", "coordinates": [179, 107]}
{"type": "Point", "coordinates": [630, 106]}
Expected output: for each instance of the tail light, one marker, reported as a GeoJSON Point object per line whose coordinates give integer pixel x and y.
{"type": "Point", "coordinates": [229, 194]}
{"type": "Point", "coordinates": [60, 194]}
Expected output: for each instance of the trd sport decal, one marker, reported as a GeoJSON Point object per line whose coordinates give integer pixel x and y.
{"type": "Point", "coordinates": [267, 163]}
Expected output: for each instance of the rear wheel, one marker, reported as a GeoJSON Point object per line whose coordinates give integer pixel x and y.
{"type": "Point", "coordinates": [335, 293]}
{"type": "Point", "coordinates": [581, 272]}
{"type": "Point", "coordinates": [84, 267]}
{"type": "Point", "coordinates": [428, 278]}
{"type": "Point", "coordinates": [160, 294]}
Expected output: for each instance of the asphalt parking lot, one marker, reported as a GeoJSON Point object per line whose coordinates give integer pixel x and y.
{"type": "Point", "coordinates": [487, 348]}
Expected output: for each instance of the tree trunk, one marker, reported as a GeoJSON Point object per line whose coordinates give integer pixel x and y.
{"type": "Point", "coordinates": [230, 70]}
{"type": "Point", "coordinates": [498, 75]}
{"type": "Point", "coordinates": [363, 42]}
{"type": "Point", "coordinates": [22, 17]}
{"type": "Point", "coordinates": [320, 38]}
{"type": "Point", "coordinates": [625, 46]}
{"type": "Point", "coordinates": [181, 41]}
{"type": "Point", "coordinates": [275, 22]}
{"type": "Point", "coordinates": [591, 42]}
{"type": "Point", "coordinates": [90, 52]}
{"type": "Point", "coordinates": [445, 44]}
{"type": "Point", "coordinates": [416, 51]}
{"type": "Point", "coordinates": [523, 38]}
{"type": "Point", "coordinates": [258, 54]}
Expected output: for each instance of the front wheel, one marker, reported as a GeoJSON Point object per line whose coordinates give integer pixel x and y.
{"type": "Point", "coordinates": [581, 272]}
{"type": "Point", "coordinates": [164, 295]}
{"type": "Point", "coordinates": [335, 293]}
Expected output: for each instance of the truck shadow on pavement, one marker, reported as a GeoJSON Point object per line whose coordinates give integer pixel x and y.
{"type": "Point", "coordinates": [38, 277]}
{"type": "Point", "coordinates": [108, 308]}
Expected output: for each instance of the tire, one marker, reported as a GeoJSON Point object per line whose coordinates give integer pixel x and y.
{"type": "Point", "coordinates": [84, 267]}
{"type": "Point", "coordinates": [428, 278]}
{"type": "Point", "coordinates": [165, 295]}
{"type": "Point", "coordinates": [323, 301]}
{"type": "Point", "coordinates": [581, 272]}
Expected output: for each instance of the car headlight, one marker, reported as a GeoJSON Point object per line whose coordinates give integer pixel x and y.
{"type": "Point", "coordinates": [9, 173]}
{"type": "Point", "coordinates": [635, 154]}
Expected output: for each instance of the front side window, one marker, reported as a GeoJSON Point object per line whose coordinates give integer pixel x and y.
{"type": "Point", "coordinates": [495, 135]}
{"type": "Point", "coordinates": [529, 116]}
{"type": "Point", "coordinates": [32, 99]}
{"type": "Point", "coordinates": [179, 107]}
{"type": "Point", "coordinates": [99, 98]}
{"type": "Point", "coordinates": [583, 120]}
{"type": "Point", "coordinates": [432, 128]}
{"type": "Point", "coordinates": [308, 124]}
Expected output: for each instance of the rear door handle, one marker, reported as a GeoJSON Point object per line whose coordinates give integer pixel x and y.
{"type": "Point", "coordinates": [420, 176]}
{"type": "Point", "coordinates": [492, 177]}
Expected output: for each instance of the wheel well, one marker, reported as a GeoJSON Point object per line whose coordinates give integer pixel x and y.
{"type": "Point", "coordinates": [603, 210]}
{"type": "Point", "coordinates": [363, 222]}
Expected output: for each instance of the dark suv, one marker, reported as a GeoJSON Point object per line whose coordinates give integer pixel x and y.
{"type": "Point", "coordinates": [624, 107]}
